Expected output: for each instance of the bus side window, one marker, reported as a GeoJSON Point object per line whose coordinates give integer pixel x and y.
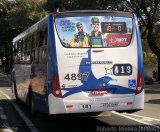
{"type": "Point", "coordinates": [42, 43]}
{"type": "Point", "coordinates": [23, 58]}
{"type": "Point", "coordinates": [44, 55]}
{"type": "Point", "coordinates": [45, 37]}
{"type": "Point", "coordinates": [37, 39]}
{"type": "Point", "coordinates": [40, 38]}
{"type": "Point", "coordinates": [15, 53]}
{"type": "Point", "coordinates": [19, 51]}
{"type": "Point", "coordinates": [27, 57]}
{"type": "Point", "coordinates": [15, 49]}
{"type": "Point", "coordinates": [32, 56]}
{"type": "Point", "coordinates": [40, 55]}
{"type": "Point", "coordinates": [29, 42]}
{"type": "Point", "coordinates": [34, 40]}
{"type": "Point", "coordinates": [26, 43]}
{"type": "Point", "coordinates": [36, 59]}
{"type": "Point", "coordinates": [22, 45]}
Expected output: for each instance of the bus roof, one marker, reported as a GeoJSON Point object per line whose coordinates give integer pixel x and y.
{"type": "Point", "coordinates": [94, 12]}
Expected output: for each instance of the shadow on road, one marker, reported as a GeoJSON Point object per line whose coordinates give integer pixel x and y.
{"type": "Point", "coordinates": [12, 117]}
{"type": "Point", "coordinates": [152, 92]}
{"type": "Point", "coordinates": [63, 123]}
{"type": "Point", "coordinates": [5, 84]}
{"type": "Point", "coordinates": [153, 101]}
{"type": "Point", "coordinates": [5, 80]}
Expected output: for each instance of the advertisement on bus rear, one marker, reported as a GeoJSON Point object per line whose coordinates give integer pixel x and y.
{"type": "Point", "coordinates": [94, 31]}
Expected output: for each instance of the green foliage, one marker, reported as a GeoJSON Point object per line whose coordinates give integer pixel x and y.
{"type": "Point", "coordinates": [68, 5]}
{"type": "Point", "coordinates": [16, 16]}
{"type": "Point", "coordinates": [4, 5]}
{"type": "Point", "coordinates": [25, 13]}
{"type": "Point", "coordinates": [150, 59]}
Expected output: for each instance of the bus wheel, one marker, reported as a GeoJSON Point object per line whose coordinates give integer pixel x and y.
{"type": "Point", "coordinates": [32, 104]}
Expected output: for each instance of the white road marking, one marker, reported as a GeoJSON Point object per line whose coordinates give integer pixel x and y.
{"type": "Point", "coordinates": [8, 89]}
{"type": "Point", "coordinates": [149, 118]}
{"type": "Point", "coordinates": [7, 130]}
{"type": "Point", "coordinates": [137, 120]}
{"type": "Point", "coordinates": [6, 125]}
{"type": "Point", "coordinates": [20, 112]}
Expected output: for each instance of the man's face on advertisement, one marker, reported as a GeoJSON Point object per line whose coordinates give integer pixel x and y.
{"type": "Point", "coordinates": [80, 28]}
{"type": "Point", "coordinates": [95, 27]}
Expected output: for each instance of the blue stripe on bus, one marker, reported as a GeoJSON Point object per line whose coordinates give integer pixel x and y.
{"type": "Point", "coordinates": [92, 82]}
{"type": "Point", "coordinates": [140, 51]}
{"type": "Point", "coordinates": [52, 56]}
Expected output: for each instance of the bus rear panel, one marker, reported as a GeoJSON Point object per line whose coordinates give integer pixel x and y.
{"type": "Point", "coordinates": [94, 62]}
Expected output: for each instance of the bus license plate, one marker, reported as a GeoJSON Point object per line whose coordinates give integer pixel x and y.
{"type": "Point", "coordinates": [99, 92]}
{"type": "Point", "coordinates": [86, 106]}
{"type": "Point", "coordinates": [122, 69]}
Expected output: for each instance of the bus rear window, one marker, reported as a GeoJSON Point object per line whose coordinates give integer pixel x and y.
{"type": "Point", "coordinates": [94, 31]}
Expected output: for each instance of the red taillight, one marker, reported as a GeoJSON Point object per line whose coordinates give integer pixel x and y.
{"type": "Point", "coordinates": [139, 83]}
{"type": "Point", "coordinates": [129, 103]}
{"type": "Point", "coordinates": [69, 106]}
{"type": "Point", "coordinates": [56, 87]}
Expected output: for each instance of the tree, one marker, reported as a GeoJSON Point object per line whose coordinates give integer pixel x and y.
{"type": "Point", "coordinates": [83, 4]}
{"type": "Point", "coordinates": [148, 12]}
{"type": "Point", "coordinates": [25, 13]}
{"type": "Point", "coordinates": [3, 21]}
{"type": "Point", "coordinates": [16, 16]}
{"type": "Point", "coordinates": [4, 40]}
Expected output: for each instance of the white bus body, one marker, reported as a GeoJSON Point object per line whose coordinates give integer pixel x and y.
{"type": "Point", "coordinates": [104, 74]}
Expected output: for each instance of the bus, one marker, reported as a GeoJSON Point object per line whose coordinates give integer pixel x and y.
{"type": "Point", "coordinates": [80, 62]}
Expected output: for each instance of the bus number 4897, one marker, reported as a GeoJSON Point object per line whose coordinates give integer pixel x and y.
{"type": "Point", "coordinates": [80, 76]}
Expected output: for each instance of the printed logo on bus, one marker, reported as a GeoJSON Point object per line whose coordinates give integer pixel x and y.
{"type": "Point", "coordinates": [99, 92]}
{"type": "Point", "coordinates": [115, 40]}
{"type": "Point", "coordinates": [132, 84]}
{"type": "Point", "coordinates": [110, 104]}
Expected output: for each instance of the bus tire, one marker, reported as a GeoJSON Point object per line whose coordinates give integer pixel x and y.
{"type": "Point", "coordinates": [31, 103]}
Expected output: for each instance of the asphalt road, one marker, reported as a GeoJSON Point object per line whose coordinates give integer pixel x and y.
{"type": "Point", "coordinates": [145, 120]}
{"type": "Point", "coordinates": [5, 80]}
{"type": "Point", "coordinates": [151, 112]}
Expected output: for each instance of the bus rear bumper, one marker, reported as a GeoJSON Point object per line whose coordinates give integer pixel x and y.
{"type": "Point", "coordinates": [64, 106]}
{"type": "Point", "coordinates": [139, 101]}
